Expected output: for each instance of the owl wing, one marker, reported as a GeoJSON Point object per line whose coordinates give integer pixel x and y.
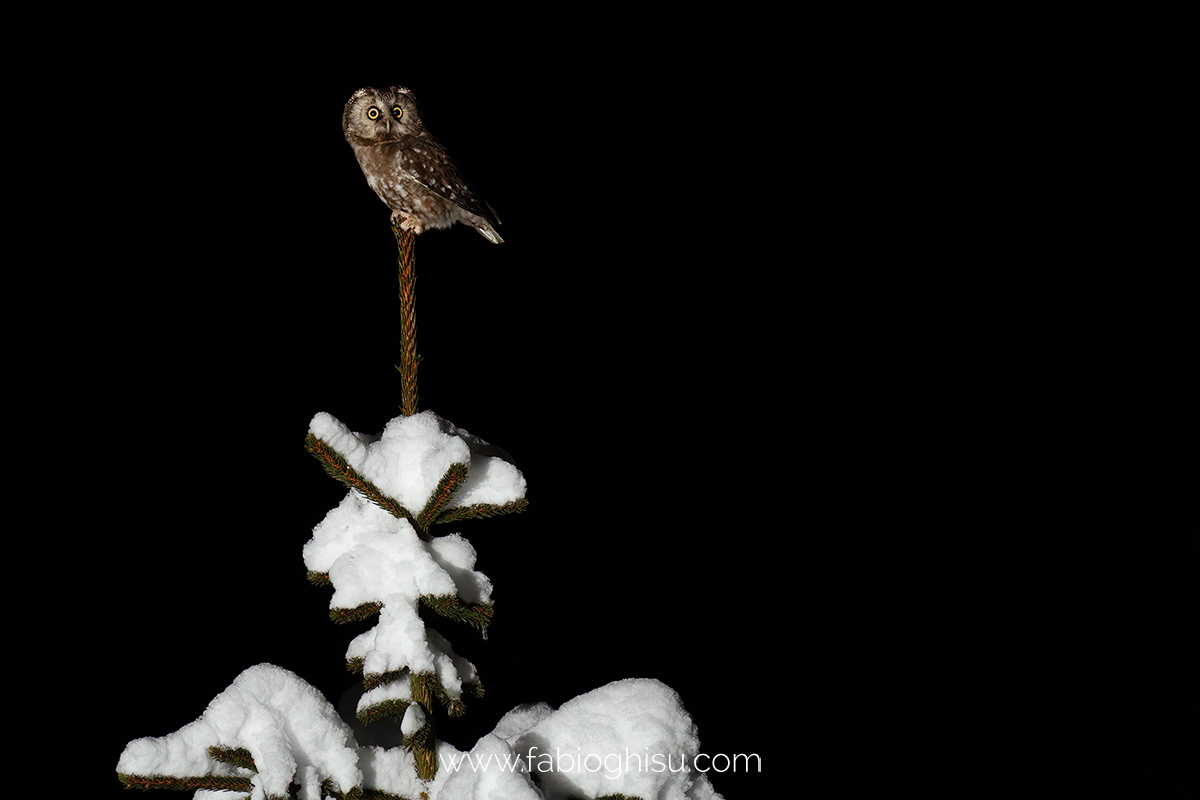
{"type": "Point", "coordinates": [424, 160]}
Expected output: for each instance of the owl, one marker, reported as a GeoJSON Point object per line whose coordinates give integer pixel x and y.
{"type": "Point", "coordinates": [408, 168]}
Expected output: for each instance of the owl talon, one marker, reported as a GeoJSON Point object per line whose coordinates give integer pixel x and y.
{"type": "Point", "coordinates": [407, 222]}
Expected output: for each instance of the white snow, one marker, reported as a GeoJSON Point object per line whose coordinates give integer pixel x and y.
{"type": "Point", "coordinates": [414, 720]}
{"type": "Point", "coordinates": [401, 641]}
{"type": "Point", "coordinates": [490, 772]}
{"type": "Point", "coordinates": [630, 737]}
{"type": "Point", "coordinates": [521, 719]}
{"type": "Point", "coordinates": [456, 556]}
{"type": "Point", "coordinates": [393, 770]}
{"type": "Point", "coordinates": [412, 454]}
{"type": "Point", "coordinates": [395, 690]}
{"type": "Point", "coordinates": [290, 729]}
{"type": "Point", "coordinates": [371, 556]}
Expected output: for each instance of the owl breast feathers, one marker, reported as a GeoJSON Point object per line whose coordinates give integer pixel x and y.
{"type": "Point", "coordinates": [408, 168]}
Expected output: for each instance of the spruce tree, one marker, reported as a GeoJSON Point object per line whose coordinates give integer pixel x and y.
{"type": "Point", "coordinates": [380, 552]}
{"type": "Point", "coordinates": [390, 559]}
{"type": "Point", "coordinates": [398, 690]}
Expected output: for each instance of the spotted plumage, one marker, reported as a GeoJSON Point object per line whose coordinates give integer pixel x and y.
{"type": "Point", "coordinates": [408, 168]}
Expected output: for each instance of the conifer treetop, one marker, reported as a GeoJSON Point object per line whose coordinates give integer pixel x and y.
{"type": "Point", "coordinates": [406, 469]}
{"type": "Point", "coordinates": [376, 550]}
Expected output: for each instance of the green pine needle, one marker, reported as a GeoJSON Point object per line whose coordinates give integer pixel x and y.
{"type": "Point", "coordinates": [481, 511]}
{"type": "Point", "coordinates": [329, 789]}
{"type": "Point", "coordinates": [223, 783]}
{"type": "Point", "coordinates": [426, 687]}
{"type": "Point", "coordinates": [377, 679]}
{"type": "Point", "coordinates": [422, 739]}
{"type": "Point", "coordinates": [344, 615]}
{"type": "Point", "coordinates": [380, 794]}
{"type": "Point", "coordinates": [447, 486]}
{"type": "Point", "coordinates": [237, 756]}
{"type": "Point", "coordinates": [394, 708]}
{"type": "Point", "coordinates": [449, 606]}
{"type": "Point", "coordinates": [335, 464]}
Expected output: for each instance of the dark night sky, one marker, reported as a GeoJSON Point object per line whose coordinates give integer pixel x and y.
{"type": "Point", "coordinates": [793, 335]}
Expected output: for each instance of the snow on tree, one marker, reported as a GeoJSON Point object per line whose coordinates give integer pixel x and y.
{"type": "Point", "coordinates": [631, 738]}
{"type": "Point", "coordinates": [271, 736]}
{"type": "Point", "coordinates": [268, 730]}
{"type": "Point", "coordinates": [421, 468]}
{"type": "Point", "coordinates": [376, 551]}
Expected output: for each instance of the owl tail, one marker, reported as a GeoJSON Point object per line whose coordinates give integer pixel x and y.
{"type": "Point", "coordinates": [488, 232]}
{"type": "Point", "coordinates": [485, 228]}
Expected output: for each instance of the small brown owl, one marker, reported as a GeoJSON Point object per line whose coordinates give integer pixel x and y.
{"type": "Point", "coordinates": [409, 169]}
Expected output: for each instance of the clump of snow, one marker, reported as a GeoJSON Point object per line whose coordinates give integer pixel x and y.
{"type": "Point", "coordinates": [631, 737]}
{"type": "Point", "coordinates": [401, 641]}
{"type": "Point", "coordinates": [368, 554]}
{"type": "Point", "coordinates": [456, 556]}
{"type": "Point", "coordinates": [373, 557]}
{"type": "Point", "coordinates": [290, 729]}
{"type": "Point", "coordinates": [521, 719]}
{"type": "Point", "coordinates": [412, 454]}
{"type": "Point", "coordinates": [414, 720]}
{"type": "Point", "coordinates": [490, 770]}
{"type": "Point", "coordinates": [393, 770]}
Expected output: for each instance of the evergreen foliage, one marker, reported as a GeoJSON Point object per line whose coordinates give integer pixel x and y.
{"type": "Point", "coordinates": [424, 689]}
{"type": "Point", "coordinates": [336, 466]}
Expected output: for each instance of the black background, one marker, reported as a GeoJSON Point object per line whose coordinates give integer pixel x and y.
{"type": "Point", "coordinates": [795, 336]}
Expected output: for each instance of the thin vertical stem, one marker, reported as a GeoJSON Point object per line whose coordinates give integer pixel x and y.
{"type": "Point", "coordinates": [408, 321]}
{"type": "Point", "coordinates": [422, 745]}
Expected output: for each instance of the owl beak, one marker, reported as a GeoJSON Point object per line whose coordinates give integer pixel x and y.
{"type": "Point", "coordinates": [388, 122]}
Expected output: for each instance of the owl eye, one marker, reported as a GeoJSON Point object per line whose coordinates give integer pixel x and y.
{"type": "Point", "coordinates": [372, 113]}
{"type": "Point", "coordinates": [397, 112]}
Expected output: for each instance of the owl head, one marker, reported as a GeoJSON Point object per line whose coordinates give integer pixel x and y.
{"type": "Point", "coordinates": [379, 115]}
